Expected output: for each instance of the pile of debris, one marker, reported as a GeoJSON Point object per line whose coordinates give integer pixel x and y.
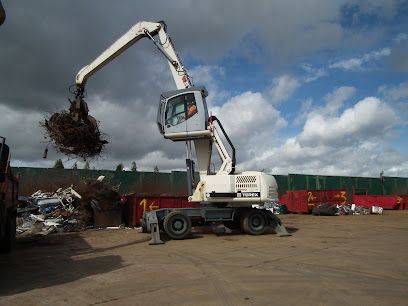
{"type": "Point", "coordinates": [328, 209]}
{"type": "Point", "coordinates": [100, 195]}
{"type": "Point", "coordinates": [275, 208]}
{"type": "Point", "coordinates": [74, 137]}
{"type": "Point", "coordinates": [47, 212]}
{"type": "Point", "coordinates": [67, 210]}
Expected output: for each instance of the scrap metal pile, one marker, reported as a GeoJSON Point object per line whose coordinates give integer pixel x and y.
{"type": "Point", "coordinates": [74, 132]}
{"type": "Point", "coordinates": [328, 209]}
{"type": "Point", "coordinates": [65, 210]}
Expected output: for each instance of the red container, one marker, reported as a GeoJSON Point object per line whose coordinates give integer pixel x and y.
{"type": "Point", "coordinates": [404, 202]}
{"type": "Point", "coordinates": [137, 204]}
{"type": "Point", "coordinates": [384, 201]}
{"type": "Point", "coordinates": [303, 201]}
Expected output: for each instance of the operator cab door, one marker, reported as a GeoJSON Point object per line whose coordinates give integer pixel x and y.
{"type": "Point", "coordinates": [183, 114]}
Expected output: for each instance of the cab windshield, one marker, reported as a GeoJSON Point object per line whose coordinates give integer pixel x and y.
{"type": "Point", "coordinates": [180, 108]}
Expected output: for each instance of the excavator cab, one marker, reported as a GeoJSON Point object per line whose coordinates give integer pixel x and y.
{"type": "Point", "coordinates": [183, 114]}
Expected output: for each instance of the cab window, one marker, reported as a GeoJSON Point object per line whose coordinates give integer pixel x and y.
{"type": "Point", "coordinates": [180, 108]}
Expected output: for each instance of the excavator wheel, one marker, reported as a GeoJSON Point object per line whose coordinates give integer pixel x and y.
{"type": "Point", "coordinates": [177, 225]}
{"type": "Point", "coordinates": [253, 222]}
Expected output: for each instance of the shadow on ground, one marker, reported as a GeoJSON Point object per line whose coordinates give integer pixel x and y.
{"type": "Point", "coordinates": [39, 262]}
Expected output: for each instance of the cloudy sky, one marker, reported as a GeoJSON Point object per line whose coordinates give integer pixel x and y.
{"type": "Point", "coordinates": [306, 86]}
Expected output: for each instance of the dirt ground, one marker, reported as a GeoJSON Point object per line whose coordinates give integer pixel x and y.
{"type": "Point", "coordinates": [344, 260]}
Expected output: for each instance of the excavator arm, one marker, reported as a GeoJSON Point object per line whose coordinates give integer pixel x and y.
{"type": "Point", "coordinates": [140, 30]}
{"type": "Point", "coordinates": [143, 29]}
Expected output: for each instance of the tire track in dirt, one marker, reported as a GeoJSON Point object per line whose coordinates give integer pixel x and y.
{"type": "Point", "coordinates": [222, 286]}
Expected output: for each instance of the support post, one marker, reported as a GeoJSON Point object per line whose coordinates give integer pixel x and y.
{"type": "Point", "coordinates": [277, 225]}
{"type": "Point", "coordinates": [153, 223]}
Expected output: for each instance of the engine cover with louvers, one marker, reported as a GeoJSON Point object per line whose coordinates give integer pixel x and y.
{"type": "Point", "coordinates": [243, 189]}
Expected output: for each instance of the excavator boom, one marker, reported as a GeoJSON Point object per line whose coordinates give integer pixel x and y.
{"type": "Point", "coordinates": [79, 108]}
{"type": "Point", "coordinates": [140, 30]}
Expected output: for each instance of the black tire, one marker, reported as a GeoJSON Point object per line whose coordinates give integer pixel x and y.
{"type": "Point", "coordinates": [254, 222]}
{"type": "Point", "coordinates": [177, 225]}
{"type": "Point", "coordinates": [7, 242]}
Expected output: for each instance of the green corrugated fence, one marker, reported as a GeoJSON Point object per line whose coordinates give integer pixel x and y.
{"type": "Point", "coordinates": [149, 183]}
{"type": "Point", "coordinates": [175, 183]}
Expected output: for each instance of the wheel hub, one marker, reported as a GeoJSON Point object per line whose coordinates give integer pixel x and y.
{"type": "Point", "coordinates": [178, 225]}
{"type": "Point", "coordinates": [256, 222]}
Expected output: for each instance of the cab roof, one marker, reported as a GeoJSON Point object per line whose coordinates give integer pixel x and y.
{"type": "Point", "coordinates": [169, 94]}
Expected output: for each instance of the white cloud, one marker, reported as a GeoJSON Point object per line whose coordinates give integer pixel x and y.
{"type": "Point", "coordinates": [313, 73]}
{"type": "Point", "coordinates": [355, 160]}
{"type": "Point", "coordinates": [394, 93]}
{"type": "Point", "coordinates": [336, 99]}
{"type": "Point", "coordinates": [282, 88]}
{"type": "Point", "coordinates": [369, 118]}
{"type": "Point", "coordinates": [251, 123]}
{"type": "Point", "coordinates": [399, 168]}
{"type": "Point", "coordinates": [305, 108]}
{"type": "Point", "coordinates": [358, 62]}
{"type": "Point", "coordinates": [160, 159]}
{"type": "Point", "coordinates": [247, 114]}
{"type": "Point", "coordinates": [351, 143]}
{"type": "Point", "coordinates": [211, 76]}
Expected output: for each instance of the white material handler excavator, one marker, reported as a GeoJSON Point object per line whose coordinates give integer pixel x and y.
{"type": "Point", "coordinates": [224, 196]}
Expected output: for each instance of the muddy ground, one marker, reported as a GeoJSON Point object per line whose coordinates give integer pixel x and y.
{"type": "Point", "coordinates": [345, 260]}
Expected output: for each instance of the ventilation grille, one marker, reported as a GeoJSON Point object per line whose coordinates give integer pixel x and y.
{"type": "Point", "coordinates": [246, 179]}
{"type": "Point", "coordinates": [246, 182]}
